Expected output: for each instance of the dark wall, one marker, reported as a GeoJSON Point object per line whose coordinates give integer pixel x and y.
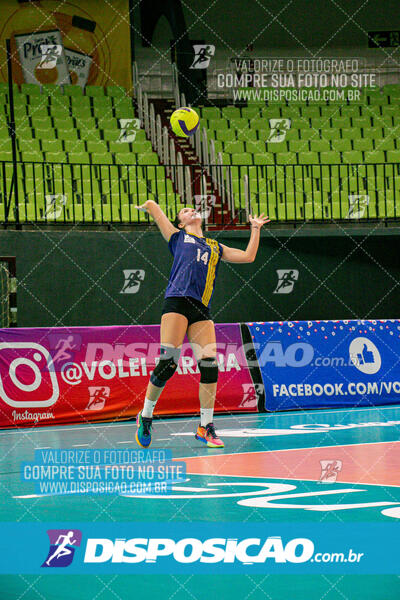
{"type": "Point", "coordinates": [301, 24]}
{"type": "Point", "coordinates": [75, 278]}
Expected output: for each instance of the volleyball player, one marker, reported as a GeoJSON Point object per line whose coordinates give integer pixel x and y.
{"type": "Point", "coordinates": [186, 310]}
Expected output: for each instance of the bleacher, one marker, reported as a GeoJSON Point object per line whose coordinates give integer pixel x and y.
{"type": "Point", "coordinates": [329, 152]}
{"type": "Point", "coordinates": [72, 165]}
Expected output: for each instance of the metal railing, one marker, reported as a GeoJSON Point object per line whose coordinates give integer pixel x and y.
{"type": "Point", "coordinates": [108, 193]}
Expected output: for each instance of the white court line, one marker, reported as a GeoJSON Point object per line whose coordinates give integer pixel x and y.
{"type": "Point", "coordinates": [286, 449]}
{"type": "Point", "coordinates": [349, 410]}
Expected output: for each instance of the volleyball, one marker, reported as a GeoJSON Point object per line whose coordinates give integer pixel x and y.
{"type": "Point", "coordinates": [184, 122]}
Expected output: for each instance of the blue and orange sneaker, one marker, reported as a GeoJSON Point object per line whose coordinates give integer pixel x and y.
{"type": "Point", "coordinates": [208, 436]}
{"type": "Point", "coordinates": [143, 433]}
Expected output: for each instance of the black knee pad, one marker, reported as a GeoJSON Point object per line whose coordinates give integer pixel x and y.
{"type": "Point", "coordinates": [208, 368]}
{"type": "Point", "coordinates": [166, 366]}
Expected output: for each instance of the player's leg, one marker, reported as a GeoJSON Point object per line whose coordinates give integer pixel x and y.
{"type": "Point", "coordinates": [201, 335]}
{"type": "Point", "coordinates": [172, 332]}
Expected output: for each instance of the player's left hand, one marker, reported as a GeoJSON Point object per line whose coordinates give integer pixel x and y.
{"type": "Point", "coordinates": [259, 221]}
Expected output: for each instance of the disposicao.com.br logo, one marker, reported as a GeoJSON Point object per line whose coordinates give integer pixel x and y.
{"type": "Point", "coordinates": [247, 551]}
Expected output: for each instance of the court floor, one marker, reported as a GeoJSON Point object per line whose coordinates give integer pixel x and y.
{"type": "Point", "coordinates": [311, 466]}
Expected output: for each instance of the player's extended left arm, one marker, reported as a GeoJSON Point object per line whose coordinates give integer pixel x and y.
{"type": "Point", "coordinates": [235, 255]}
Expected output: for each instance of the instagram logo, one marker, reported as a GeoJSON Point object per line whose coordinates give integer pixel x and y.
{"type": "Point", "coordinates": [27, 376]}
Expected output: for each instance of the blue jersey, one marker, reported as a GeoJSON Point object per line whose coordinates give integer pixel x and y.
{"type": "Point", "coordinates": [195, 266]}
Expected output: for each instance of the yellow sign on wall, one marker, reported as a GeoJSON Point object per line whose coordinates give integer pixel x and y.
{"type": "Point", "coordinates": [94, 34]}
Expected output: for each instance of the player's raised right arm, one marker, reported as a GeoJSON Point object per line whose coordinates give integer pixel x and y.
{"type": "Point", "coordinates": [162, 221]}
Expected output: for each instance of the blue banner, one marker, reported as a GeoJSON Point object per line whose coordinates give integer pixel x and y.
{"type": "Point", "coordinates": [322, 364]}
{"type": "Point", "coordinates": [240, 548]}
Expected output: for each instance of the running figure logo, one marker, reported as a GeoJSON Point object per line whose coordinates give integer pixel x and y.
{"type": "Point", "coordinates": [63, 543]}
{"type": "Point", "coordinates": [129, 129]}
{"type": "Point", "coordinates": [279, 129]}
{"type": "Point", "coordinates": [133, 279]}
{"type": "Point", "coordinates": [252, 392]}
{"type": "Point", "coordinates": [50, 55]}
{"type": "Point", "coordinates": [286, 280]}
{"type": "Point", "coordinates": [98, 396]}
{"type": "Point", "coordinates": [330, 470]}
{"type": "Point", "coordinates": [202, 55]}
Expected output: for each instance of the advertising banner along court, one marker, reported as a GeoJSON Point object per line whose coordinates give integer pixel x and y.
{"type": "Point", "coordinates": [83, 374]}
{"type": "Point", "coordinates": [317, 364]}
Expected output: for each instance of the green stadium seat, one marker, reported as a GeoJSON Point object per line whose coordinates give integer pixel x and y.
{"type": "Point", "coordinates": [116, 91]}
{"type": "Point", "coordinates": [78, 157]}
{"type": "Point", "coordinates": [74, 145]}
{"type": "Point", "coordinates": [41, 121]}
{"type": "Point", "coordinates": [148, 159]}
{"type": "Point", "coordinates": [320, 146]}
{"type": "Point", "coordinates": [376, 98]}
{"type": "Point", "coordinates": [250, 112]}
{"type": "Point", "coordinates": [94, 91]}
{"type": "Point", "coordinates": [353, 157]}
{"type": "Point", "coordinates": [263, 158]}
{"type": "Point", "coordinates": [98, 146]}
{"type": "Point", "coordinates": [31, 145]}
{"type": "Point", "coordinates": [255, 146]}
{"type": "Point", "coordinates": [393, 156]}
{"type": "Point", "coordinates": [72, 90]}
{"type": "Point", "coordinates": [361, 122]}
{"type": "Point", "coordinates": [242, 159]}
{"type": "Point", "coordinates": [330, 111]}
{"type": "Point", "coordinates": [79, 102]}
{"type": "Point", "coordinates": [66, 133]}
{"type": "Point", "coordinates": [277, 147]}
{"type": "Point", "coordinates": [311, 112]}
{"type": "Point", "coordinates": [210, 113]}
{"type": "Point", "coordinates": [32, 156]}
{"type": "Point", "coordinates": [386, 122]}
{"type": "Point", "coordinates": [44, 133]}
{"type": "Point", "coordinates": [340, 145]}
{"type": "Point", "coordinates": [330, 158]}
{"type": "Point", "coordinates": [52, 146]}
{"type": "Point", "coordinates": [218, 146]}
{"type": "Point", "coordinates": [30, 89]}
{"type": "Point", "coordinates": [291, 112]}
{"type": "Point", "coordinates": [37, 104]}
{"type": "Point", "coordinates": [371, 111]}
{"type": "Point", "coordinates": [311, 134]}
{"type": "Point", "coordinates": [230, 112]}
{"type": "Point", "coordinates": [286, 158]}
{"type": "Point", "coordinates": [123, 158]}
{"type": "Point", "coordinates": [90, 135]}
{"type": "Point", "coordinates": [234, 147]}
{"type": "Point", "coordinates": [118, 147]}
{"type": "Point", "coordinates": [124, 111]}
{"type": "Point", "coordinates": [341, 123]}
{"type": "Point", "coordinates": [217, 124]}
{"type": "Point", "coordinates": [82, 114]}
{"type": "Point", "coordinates": [141, 147]}
{"type": "Point", "coordinates": [102, 103]}
{"type": "Point", "coordinates": [298, 145]}
{"type": "Point", "coordinates": [390, 110]}
{"type": "Point", "coordinates": [308, 158]}
{"type": "Point", "coordinates": [301, 123]}
{"type": "Point", "coordinates": [374, 156]}
{"type": "Point", "coordinates": [270, 112]}
{"type": "Point", "coordinates": [101, 158]}
{"type": "Point", "coordinates": [57, 157]}
{"type": "Point", "coordinates": [362, 144]}
{"type": "Point", "coordinates": [373, 133]}
{"type": "Point", "coordinates": [239, 124]}
{"type": "Point", "coordinates": [226, 135]}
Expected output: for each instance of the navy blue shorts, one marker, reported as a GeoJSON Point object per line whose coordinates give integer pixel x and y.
{"type": "Point", "coordinates": [191, 308]}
